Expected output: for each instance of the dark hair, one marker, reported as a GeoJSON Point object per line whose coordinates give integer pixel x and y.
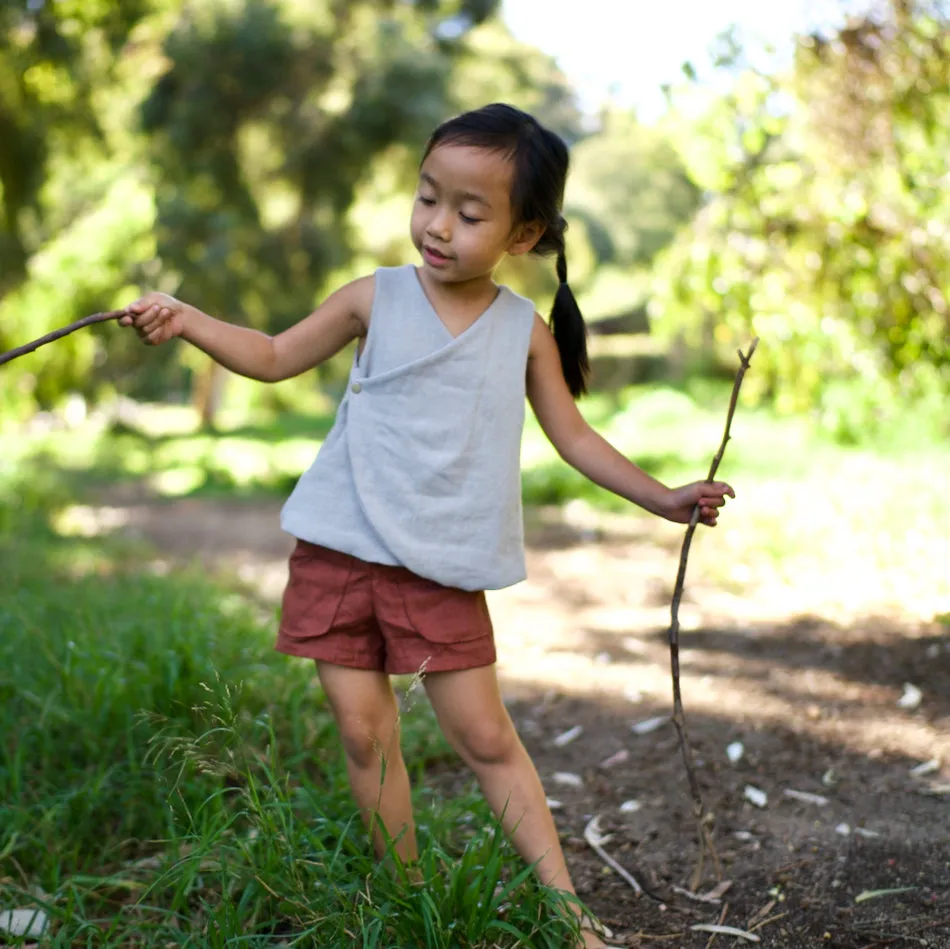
{"type": "Point", "coordinates": [540, 160]}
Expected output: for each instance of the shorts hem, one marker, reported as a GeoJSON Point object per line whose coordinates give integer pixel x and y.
{"type": "Point", "coordinates": [350, 662]}
{"type": "Point", "coordinates": [441, 664]}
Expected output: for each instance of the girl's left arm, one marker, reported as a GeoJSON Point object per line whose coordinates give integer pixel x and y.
{"type": "Point", "coordinates": [593, 456]}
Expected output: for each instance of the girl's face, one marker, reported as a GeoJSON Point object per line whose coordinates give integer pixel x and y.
{"type": "Point", "coordinates": [461, 219]}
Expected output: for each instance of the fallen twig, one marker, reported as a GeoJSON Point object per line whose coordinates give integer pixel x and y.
{"type": "Point", "coordinates": [806, 797]}
{"type": "Point", "coordinates": [886, 939]}
{"type": "Point", "coordinates": [725, 931]}
{"type": "Point", "coordinates": [935, 790]}
{"type": "Point", "coordinates": [713, 897]}
{"type": "Point", "coordinates": [768, 921]}
{"type": "Point", "coordinates": [58, 334]}
{"type": "Point", "coordinates": [869, 927]}
{"type": "Point", "coordinates": [761, 913]}
{"type": "Point", "coordinates": [722, 919]}
{"type": "Point", "coordinates": [703, 818]}
{"type": "Point", "coordinates": [596, 840]}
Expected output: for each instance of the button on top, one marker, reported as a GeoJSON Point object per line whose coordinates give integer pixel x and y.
{"type": "Point", "coordinates": [356, 387]}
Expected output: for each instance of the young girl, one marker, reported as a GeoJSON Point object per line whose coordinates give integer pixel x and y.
{"type": "Point", "coordinates": [412, 508]}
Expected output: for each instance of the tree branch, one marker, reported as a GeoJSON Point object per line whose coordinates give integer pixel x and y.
{"type": "Point", "coordinates": [703, 817]}
{"type": "Point", "coordinates": [58, 334]}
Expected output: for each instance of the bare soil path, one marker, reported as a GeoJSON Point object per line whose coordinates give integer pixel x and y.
{"type": "Point", "coordinates": [814, 698]}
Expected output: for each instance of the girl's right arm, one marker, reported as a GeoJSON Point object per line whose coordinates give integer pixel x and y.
{"type": "Point", "coordinates": [341, 318]}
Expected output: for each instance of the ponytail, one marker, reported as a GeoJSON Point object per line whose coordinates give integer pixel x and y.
{"type": "Point", "coordinates": [569, 329]}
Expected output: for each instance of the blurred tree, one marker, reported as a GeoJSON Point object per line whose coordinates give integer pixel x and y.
{"type": "Point", "coordinates": [257, 161]}
{"type": "Point", "coordinates": [630, 188]}
{"type": "Point", "coordinates": [493, 66]}
{"type": "Point", "coordinates": [72, 219]}
{"type": "Point", "coordinates": [47, 75]}
{"type": "Point", "coordinates": [824, 228]}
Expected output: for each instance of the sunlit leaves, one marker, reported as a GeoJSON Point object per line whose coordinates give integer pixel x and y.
{"type": "Point", "coordinates": [822, 229]}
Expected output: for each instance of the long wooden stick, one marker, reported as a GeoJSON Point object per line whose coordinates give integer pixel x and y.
{"type": "Point", "coordinates": [703, 818]}
{"type": "Point", "coordinates": [58, 334]}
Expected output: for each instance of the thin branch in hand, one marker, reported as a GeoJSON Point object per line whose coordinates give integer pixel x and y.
{"type": "Point", "coordinates": [58, 334]}
{"type": "Point", "coordinates": [701, 814]}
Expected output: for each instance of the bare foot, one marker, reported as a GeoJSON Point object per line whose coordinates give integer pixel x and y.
{"type": "Point", "coordinates": [590, 940]}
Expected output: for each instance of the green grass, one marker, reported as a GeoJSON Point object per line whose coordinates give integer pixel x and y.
{"type": "Point", "coordinates": [166, 453]}
{"type": "Point", "coordinates": [166, 779]}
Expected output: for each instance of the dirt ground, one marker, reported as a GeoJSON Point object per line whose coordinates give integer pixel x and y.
{"type": "Point", "coordinates": [807, 706]}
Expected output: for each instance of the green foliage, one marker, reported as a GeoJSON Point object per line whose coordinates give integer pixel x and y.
{"type": "Point", "coordinates": [627, 197]}
{"type": "Point", "coordinates": [630, 188]}
{"type": "Point", "coordinates": [57, 66]}
{"type": "Point", "coordinates": [81, 271]}
{"type": "Point", "coordinates": [822, 230]}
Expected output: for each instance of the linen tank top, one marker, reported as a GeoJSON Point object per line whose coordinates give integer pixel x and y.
{"type": "Point", "coordinates": [422, 466]}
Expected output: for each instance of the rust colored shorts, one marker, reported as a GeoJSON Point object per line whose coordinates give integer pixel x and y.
{"type": "Point", "coordinates": [346, 611]}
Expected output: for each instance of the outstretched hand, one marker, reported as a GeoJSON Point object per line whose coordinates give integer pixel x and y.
{"type": "Point", "coordinates": [709, 495]}
{"type": "Point", "coordinates": [157, 317]}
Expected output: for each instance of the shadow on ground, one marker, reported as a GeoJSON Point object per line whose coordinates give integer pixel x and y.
{"type": "Point", "coordinates": [788, 659]}
{"type": "Point", "coordinates": [864, 862]}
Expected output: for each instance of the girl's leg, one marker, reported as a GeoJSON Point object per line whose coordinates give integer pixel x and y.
{"type": "Point", "coordinates": [367, 717]}
{"type": "Point", "coordinates": [476, 723]}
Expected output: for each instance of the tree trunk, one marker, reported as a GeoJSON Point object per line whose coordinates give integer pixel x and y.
{"type": "Point", "coordinates": [208, 392]}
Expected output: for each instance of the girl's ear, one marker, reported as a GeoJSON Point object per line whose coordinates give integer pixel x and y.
{"type": "Point", "coordinates": [525, 237]}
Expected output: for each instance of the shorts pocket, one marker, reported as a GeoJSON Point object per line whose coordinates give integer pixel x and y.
{"type": "Point", "coordinates": [445, 615]}
{"type": "Point", "coordinates": [315, 590]}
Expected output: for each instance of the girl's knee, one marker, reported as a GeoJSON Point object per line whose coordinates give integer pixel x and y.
{"type": "Point", "coordinates": [365, 711]}
{"type": "Point", "coordinates": [487, 742]}
{"type": "Point", "coordinates": [368, 739]}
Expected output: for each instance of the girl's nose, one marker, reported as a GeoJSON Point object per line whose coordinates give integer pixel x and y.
{"type": "Point", "coordinates": [439, 225]}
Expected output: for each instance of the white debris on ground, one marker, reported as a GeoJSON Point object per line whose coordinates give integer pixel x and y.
{"type": "Point", "coordinates": [29, 923]}
{"type": "Point", "coordinates": [755, 796]}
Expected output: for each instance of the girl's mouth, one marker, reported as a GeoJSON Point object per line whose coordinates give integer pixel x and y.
{"type": "Point", "coordinates": [433, 256]}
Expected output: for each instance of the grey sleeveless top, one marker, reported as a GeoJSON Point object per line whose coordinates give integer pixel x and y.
{"type": "Point", "coordinates": [422, 466]}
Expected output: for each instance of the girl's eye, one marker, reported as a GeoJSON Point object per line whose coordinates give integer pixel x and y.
{"type": "Point", "coordinates": [469, 220]}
